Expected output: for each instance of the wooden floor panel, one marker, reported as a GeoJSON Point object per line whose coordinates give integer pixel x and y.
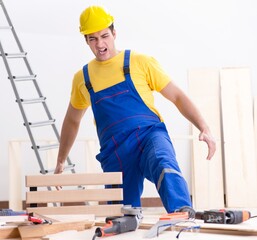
{"type": "Point", "coordinates": [207, 176]}
{"type": "Point", "coordinates": [239, 151]}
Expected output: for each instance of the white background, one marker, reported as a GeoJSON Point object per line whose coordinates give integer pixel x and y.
{"type": "Point", "coordinates": [181, 34]}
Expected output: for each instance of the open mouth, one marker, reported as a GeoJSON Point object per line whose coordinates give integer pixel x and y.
{"type": "Point", "coordinates": [103, 51]}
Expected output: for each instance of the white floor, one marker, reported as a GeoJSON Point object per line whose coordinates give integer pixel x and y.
{"type": "Point", "coordinates": [151, 216]}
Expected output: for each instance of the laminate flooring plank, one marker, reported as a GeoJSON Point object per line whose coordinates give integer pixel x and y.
{"type": "Point", "coordinates": [255, 125]}
{"type": "Point", "coordinates": [239, 153]}
{"type": "Point", "coordinates": [207, 176]}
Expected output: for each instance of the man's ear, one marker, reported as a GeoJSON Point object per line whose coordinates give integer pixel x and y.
{"type": "Point", "coordinates": [114, 33]}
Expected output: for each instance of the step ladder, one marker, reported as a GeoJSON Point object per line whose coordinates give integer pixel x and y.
{"type": "Point", "coordinates": [39, 99]}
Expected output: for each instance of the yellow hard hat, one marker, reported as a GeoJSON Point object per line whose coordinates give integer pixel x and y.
{"type": "Point", "coordinates": [94, 19]}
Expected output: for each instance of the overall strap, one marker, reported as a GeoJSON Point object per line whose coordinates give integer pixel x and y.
{"type": "Point", "coordinates": [126, 69]}
{"type": "Point", "coordinates": [86, 78]}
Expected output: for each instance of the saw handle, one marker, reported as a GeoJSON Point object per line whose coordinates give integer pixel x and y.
{"type": "Point", "coordinates": [109, 229]}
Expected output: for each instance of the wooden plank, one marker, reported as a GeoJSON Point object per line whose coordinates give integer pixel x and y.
{"type": "Point", "coordinates": [239, 152]}
{"type": "Point", "coordinates": [247, 228]}
{"type": "Point", "coordinates": [255, 125]}
{"type": "Point", "coordinates": [74, 179]}
{"type": "Point", "coordinates": [9, 232]}
{"type": "Point", "coordinates": [40, 230]}
{"type": "Point", "coordinates": [15, 176]}
{"type": "Point", "coordinates": [114, 194]}
{"type": "Point", "coordinates": [97, 210]}
{"type": "Point", "coordinates": [67, 217]}
{"type": "Point", "coordinates": [232, 229]}
{"type": "Point", "coordinates": [207, 176]}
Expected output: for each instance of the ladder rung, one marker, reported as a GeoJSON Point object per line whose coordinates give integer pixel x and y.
{"type": "Point", "coordinates": [16, 55]}
{"type": "Point", "coordinates": [41, 124]}
{"type": "Point", "coordinates": [32, 100]}
{"type": "Point", "coordinates": [30, 78]}
{"type": "Point", "coordinates": [47, 147]}
{"type": "Point", "coordinates": [5, 27]}
{"type": "Point", "coordinates": [66, 168]}
{"type": "Point", "coordinates": [24, 78]}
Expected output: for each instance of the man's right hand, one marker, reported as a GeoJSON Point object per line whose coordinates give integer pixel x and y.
{"type": "Point", "coordinates": [58, 170]}
{"type": "Point", "coordinates": [69, 132]}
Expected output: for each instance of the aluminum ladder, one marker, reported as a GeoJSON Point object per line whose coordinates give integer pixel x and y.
{"type": "Point", "coordinates": [30, 78]}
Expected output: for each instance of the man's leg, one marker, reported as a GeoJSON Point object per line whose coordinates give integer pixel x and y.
{"type": "Point", "coordinates": [122, 155]}
{"type": "Point", "coordinates": [159, 165]}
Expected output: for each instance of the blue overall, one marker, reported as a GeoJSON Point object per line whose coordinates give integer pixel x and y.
{"type": "Point", "coordinates": [135, 142]}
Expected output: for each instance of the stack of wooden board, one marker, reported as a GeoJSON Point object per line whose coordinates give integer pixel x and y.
{"type": "Point", "coordinates": [225, 99]}
{"type": "Point", "coordinates": [207, 176]}
{"type": "Point", "coordinates": [20, 227]}
{"type": "Point", "coordinates": [75, 194]}
{"type": "Point", "coordinates": [83, 227]}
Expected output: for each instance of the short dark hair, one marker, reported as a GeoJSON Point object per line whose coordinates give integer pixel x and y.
{"type": "Point", "coordinates": [111, 27]}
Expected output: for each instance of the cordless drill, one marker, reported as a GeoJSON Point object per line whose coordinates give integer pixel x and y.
{"type": "Point", "coordinates": [116, 225]}
{"type": "Point", "coordinates": [223, 216]}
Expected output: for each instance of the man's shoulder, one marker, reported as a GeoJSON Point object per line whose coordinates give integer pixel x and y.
{"type": "Point", "coordinates": [78, 76]}
{"type": "Point", "coordinates": [139, 57]}
{"type": "Point", "coordinates": [142, 59]}
{"type": "Point", "coordinates": [137, 54]}
{"type": "Point", "coordinates": [79, 73]}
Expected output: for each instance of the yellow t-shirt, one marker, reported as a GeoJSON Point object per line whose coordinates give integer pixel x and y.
{"type": "Point", "coordinates": [146, 74]}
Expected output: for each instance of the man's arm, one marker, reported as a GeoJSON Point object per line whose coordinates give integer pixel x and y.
{"type": "Point", "coordinates": [69, 132]}
{"type": "Point", "coordinates": [189, 111]}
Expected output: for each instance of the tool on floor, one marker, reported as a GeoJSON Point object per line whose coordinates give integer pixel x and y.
{"type": "Point", "coordinates": [167, 220]}
{"type": "Point", "coordinates": [223, 216]}
{"type": "Point", "coordinates": [38, 220]}
{"type": "Point", "coordinates": [117, 225]}
{"type": "Point", "coordinates": [189, 210]}
{"type": "Point", "coordinates": [31, 216]}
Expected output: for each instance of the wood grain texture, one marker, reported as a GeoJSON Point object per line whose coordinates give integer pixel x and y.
{"type": "Point", "coordinates": [75, 192]}
{"type": "Point", "coordinates": [97, 210]}
{"type": "Point", "coordinates": [238, 131]}
{"type": "Point", "coordinates": [74, 179]}
{"type": "Point", "coordinates": [9, 232]}
{"type": "Point", "coordinates": [80, 195]}
{"type": "Point", "coordinates": [40, 230]}
{"type": "Point", "coordinates": [207, 176]}
{"type": "Point", "coordinates": [255, 125]}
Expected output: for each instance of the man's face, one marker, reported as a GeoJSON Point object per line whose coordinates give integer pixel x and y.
{"type": "Point", "coordinates": [102, 44]}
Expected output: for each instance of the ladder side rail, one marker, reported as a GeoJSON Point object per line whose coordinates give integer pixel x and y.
{"type": "Point", "coordinates": [21, 108]}
{"type": "Point", "coordinates": [13, 30]}
{"type": "Point", "coordinates": [26, 61]}
{"type": "Point", "coordinates": [16, 37]}
{"type": "Point", "coordinates": [34, 146]}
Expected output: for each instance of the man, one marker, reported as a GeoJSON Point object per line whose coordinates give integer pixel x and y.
{"type": "Point", "coordinates": [133, 138]}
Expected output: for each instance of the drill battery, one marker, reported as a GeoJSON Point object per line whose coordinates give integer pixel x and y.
{"type": "Point", "coordinates": [223, 216]}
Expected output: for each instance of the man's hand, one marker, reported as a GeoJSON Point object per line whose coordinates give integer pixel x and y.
{"type": "Point", "coordinates": [209, 139]}
{"type": "Point", "coordinates": [58, 170]}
